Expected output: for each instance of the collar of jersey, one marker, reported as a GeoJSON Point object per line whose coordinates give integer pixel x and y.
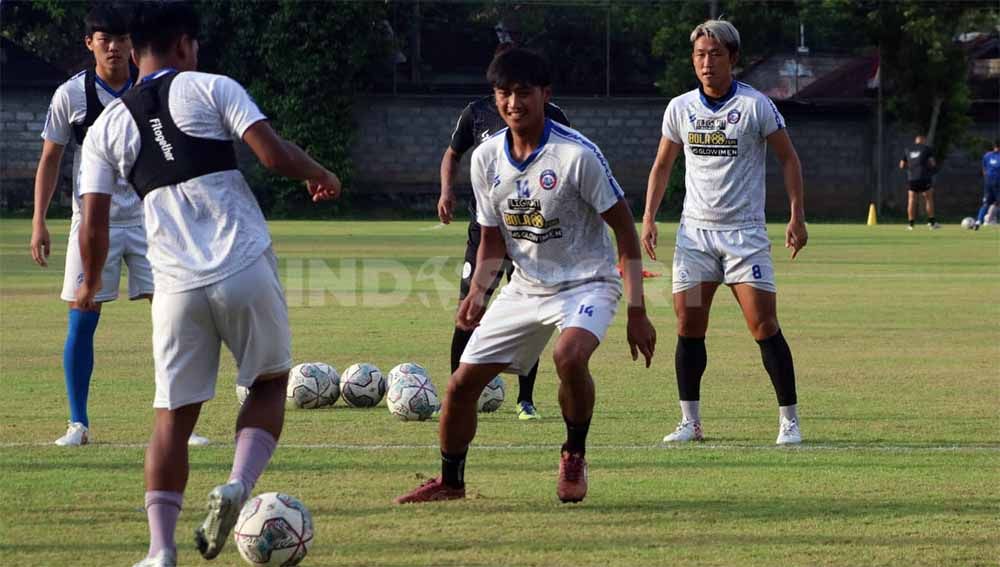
{"type": "Point", "coordinates": [714, 107]}
{"type": "Point", "coordinates": [157, 74]}
{"type": "Point", "coordinates": [522, 165]}
{"type": "Point", "coordinates": [111, 91]}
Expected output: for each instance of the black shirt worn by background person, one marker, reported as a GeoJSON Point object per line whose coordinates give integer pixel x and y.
{"type": "Point", "coordinates": [917, 158]}
{"type": "Point", "coordinates": [480, 120]}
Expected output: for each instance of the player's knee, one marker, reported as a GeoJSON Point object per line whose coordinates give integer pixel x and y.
{"type": "Point", "coordinates": [570, 360]}
{"type": "Point", "coordinates": [690, 325]}
{"type": "Point", "coordinates": [763, 328]}
{"type": "Point", "coordinates": [462, 389]}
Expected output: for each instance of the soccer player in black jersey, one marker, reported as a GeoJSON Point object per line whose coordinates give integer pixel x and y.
{"type": "Point", "coordinates": [477, 123]}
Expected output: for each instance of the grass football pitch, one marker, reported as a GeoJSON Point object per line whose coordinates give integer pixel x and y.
{"type": "Point", "coordinates": [896, 342]}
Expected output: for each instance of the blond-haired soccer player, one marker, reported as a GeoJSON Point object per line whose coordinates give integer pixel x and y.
{"type": "Point", "coordinates": [724, 128]}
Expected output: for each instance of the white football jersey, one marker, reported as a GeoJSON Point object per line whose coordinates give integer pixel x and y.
{"type": "Point", "coordinates": [725, 149]}
{"type": "Point", "coordinates": [69, 107]}
{"type": "Point", "coordinates": [548, 208]}
{"type": "Point", "coordinates": [203, 230]}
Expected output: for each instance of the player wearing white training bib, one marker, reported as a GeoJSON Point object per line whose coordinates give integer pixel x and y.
{"type": "Point", "coordinates": [545, 197]}
{"type": "Point", "coordinates": [724, 128]}
{"type": "Point", "coordinates": [216, 277]}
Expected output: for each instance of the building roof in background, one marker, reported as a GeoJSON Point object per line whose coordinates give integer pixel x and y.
{"type": "Point", "coordinates": [806, 77]}
{"type": "Point", "coordinates": [21, 68]}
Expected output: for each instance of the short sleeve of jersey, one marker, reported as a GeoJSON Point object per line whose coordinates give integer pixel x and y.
{"type": "Point", "coordinates": [671, 129]}
{"type": "Point", "coordinates": [58, 122]}
{"type": "Point", "coordinates": [598, 187]}
{"type": "Point", "coordinates": [770, 120]}
{"type": "Point", "coordinates": [462, 138]}
{"type": "Point", "coordinates": [485, 213]}
{"type": "Point", "coordinates": [106, 152]}
{"type": "Point", "coordinates": [238, 111]}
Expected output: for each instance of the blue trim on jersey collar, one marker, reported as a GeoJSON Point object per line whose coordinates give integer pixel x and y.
{"type": "Point", "coordinates": [714, 107]}
{"type": "Point", "coordinates": [521, 166]}
{"type": "Point", "coordinates": [157, 74]}
{"type": "Point", "coordinates": [111, 91]}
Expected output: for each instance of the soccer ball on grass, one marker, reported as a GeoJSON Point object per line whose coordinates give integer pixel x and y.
{"type": "Point", "coordinates": [273, 529]}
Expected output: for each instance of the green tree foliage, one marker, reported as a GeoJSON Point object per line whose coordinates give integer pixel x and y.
{"type": "Point", "coordinates": [304, 63]}
{"type": "Point", "coordinates": [52, 29]}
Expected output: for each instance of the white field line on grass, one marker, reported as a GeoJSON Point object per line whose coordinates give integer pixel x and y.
{"type": "Point", "coordinates": [881, 448]}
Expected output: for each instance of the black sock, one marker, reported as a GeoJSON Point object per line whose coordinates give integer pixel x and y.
{"type": "Point", "coordinates": [458, 342]}
{"type": "Point", "coordinates": [930, 220]}
{"type": "Point", "coordinates": [526, 386]}
{"type": "Point", "coordinates": [690, 360]}
{"type": "Point", "coordinates": [777, 359]}
{"type": "Point", "coordinates": [453, 469]}
{"type": "Point", "coordinates": [576, 437]}
{"type": "Point", "coordinates": [911, 222]}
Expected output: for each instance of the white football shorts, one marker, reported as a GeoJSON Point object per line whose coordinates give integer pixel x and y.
{"type": "Point", "coordinates": [726, 256]}
{"type": "Point", "coordinates": [246, 311]}
{"type": "Point", "coordinates": [125, 244]}
{"type": "Point", "coordinates": [517, 326]}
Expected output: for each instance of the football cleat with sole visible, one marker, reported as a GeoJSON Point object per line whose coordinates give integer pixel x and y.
{"type": "Point", "coordinates": [526, 411]}
{"type": "Point", "coordinates": [788, 432]}
{"type": "Point", "coordinates": [76, 434]}
{"type": "Point", "coordinates": [224, 503]}
{"type": "Point", "coordinates": [433, 490]}
{"type": "Point", "coordinates": [572, 483]}
{"type": "Point", "coordinates": [687, 430]}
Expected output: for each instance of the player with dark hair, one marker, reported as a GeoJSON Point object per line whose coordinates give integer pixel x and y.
{"type": "Point", "coordinates": [216, 275]}
{"type": "Point", "coordinates": [724, 127]}
{"type": "Point", "coordinates": [991, 183]}
{"type": "Point", "coordinates": [545, 197]}
{"type": "Point", "coordinates": [919, 163]}
{"type": "Point", "coordinates": [75, 106]}
{"type": "Point", "coordinates": [477, 123]}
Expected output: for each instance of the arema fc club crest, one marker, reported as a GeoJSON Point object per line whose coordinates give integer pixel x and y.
{"type": "Point", "coordinates": [733, 117]}
{"type": "Point", "coordinates": [548, 180]}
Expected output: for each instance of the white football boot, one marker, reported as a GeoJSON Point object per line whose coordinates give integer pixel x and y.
{"type": "Point", "coordinates": [687, 430]}
{"type": "Point", "coordinates": [788, 432]}
{"type": "Point", "coordinates": [76, 434]}
{"type": "Point", "coordinates": [164, 558]}
{"type": "Point", "coordinates": [224, 503]}
{"type": "Point", "coordinates": [197, 440]}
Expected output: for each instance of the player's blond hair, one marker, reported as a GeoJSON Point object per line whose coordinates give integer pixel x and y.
{"type": "Point", "coordinates": [720, 30]}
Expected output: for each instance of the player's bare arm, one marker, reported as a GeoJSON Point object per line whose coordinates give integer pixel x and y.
{"type": "Point", "coordinates": [45, 187]}
{"type": "Point", "coordinates": [449, 169]}
{"type": "Point", "coordinates": [489, 260]}
{"type": "Point", "coordinates": [659, 177]}
{"type": "Point", "coordinates": [640, 332]}
{"type": "Point", "coordinates": [796, 235]}
{"type": "Point", "coordinates": [285, 158]}
{"type": "Point", "coordinates": [93, 246]}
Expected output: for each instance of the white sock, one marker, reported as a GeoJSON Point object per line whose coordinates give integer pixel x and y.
{"type": "Point", "coordinates": [789, 412]}
{"type": "Point", "coordinates": [690, 411]}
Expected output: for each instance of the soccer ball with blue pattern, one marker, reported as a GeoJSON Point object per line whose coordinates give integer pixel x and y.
{"type": "Point", "coordinates": [402, 369]}
{"type": "Point", "coordinates": [412, 397]}
{"type": "Point", "coordinates": [362, 385]}
{"type": "Point", "coordinates": [493, 395]}
{"type": "Point", "coordinates": [312, 385]}
{"type": "Point", "coordinates": [273, 529]}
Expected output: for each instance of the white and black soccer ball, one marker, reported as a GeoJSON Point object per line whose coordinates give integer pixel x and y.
{"type": "Point", "coordinates": [362, 385]}
{"type": "Point", "coordinates": [493, 395]}
{"type": "Point", "coordinates": [968, 223]}
{"type": "Point", "coordinates": [273, 529]}
{"type": "Point", "coordinates": [312, 385]}
{"type": "Point", "coordinates": [404, 368]}
{"type": "Point", "coordinates": [412, 397]}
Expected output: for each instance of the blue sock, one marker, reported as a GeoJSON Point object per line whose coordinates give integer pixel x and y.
{"type": "Point", "coordinates": [982, 213]}
{"type": "Point", "coordinates": [78, 361]}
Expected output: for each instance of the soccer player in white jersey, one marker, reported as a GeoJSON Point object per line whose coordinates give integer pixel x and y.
{"type": "Point", "coordinates": [75, 106]}
{"type": "Point", "coordinates": [215, 272]}
{"type": "Point", "coordinates": [545, 196]}
{"type": "Point", "coordinates": [724, 128]}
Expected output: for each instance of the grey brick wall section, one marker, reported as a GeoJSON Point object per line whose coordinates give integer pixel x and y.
{"type": "Point", "coordinates": [401, 140]}
{"type": "Point", "coordinates": [22, 118]}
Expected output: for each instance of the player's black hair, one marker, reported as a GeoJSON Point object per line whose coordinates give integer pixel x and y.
{"type": "Point", "coordinates": [108, 18]}
{"type": "Point", "coordinates": [519, 66]}
{"type": "Point", "coordinates": [157, 25]}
